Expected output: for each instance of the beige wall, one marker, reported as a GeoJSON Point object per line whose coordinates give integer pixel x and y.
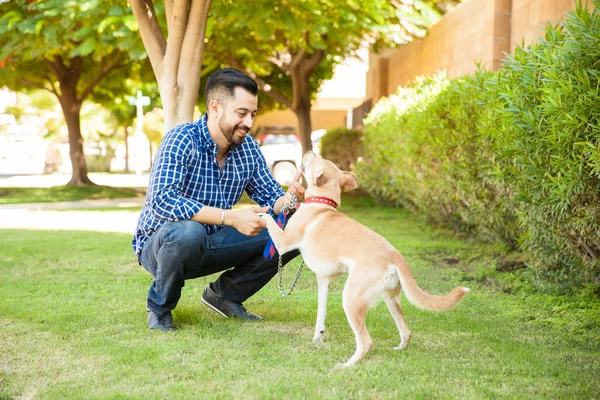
{"type": "Point", "coordinates": [530, 16]}
{"type": "Point", "coordinates": [321, 119]}
{"type": "Point", "coordinates": [475, 31]}
{"type": "Point", "coordinates": [326, 113]}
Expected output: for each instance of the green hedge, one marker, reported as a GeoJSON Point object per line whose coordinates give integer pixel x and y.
{"type": "Point", "coordinates": [511, 155]}
{"type": "Point", "coordinates": [342, 146]}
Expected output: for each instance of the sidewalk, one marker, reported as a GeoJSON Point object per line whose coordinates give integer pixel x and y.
{"type": "Point", "coordinates": [46, 181]}
{"type": "Point", "coordinates": [47, 216]}
{"type": "Point", "coordinates": [75, 205]}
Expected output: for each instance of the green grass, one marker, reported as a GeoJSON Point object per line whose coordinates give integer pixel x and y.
{"type": "Point", "coordinates": [72, 325]}
{"type": "Point", "coordinates": [64, 193]}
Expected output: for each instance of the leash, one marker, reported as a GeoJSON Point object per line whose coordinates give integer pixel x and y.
{"type": "Point", "coordinates": [284, 216]}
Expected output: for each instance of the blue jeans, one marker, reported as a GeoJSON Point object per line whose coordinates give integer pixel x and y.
{"type": "Point", "coordinates": [183, 250]}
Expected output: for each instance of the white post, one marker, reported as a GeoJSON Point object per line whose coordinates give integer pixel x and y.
{"type": "Point", "coordinates": [349, 117]}
{"type": "Point", "coordinates": [139, 102]}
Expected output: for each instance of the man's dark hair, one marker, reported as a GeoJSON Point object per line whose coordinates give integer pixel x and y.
{"type": "Point", "coordinates": [221, 85]}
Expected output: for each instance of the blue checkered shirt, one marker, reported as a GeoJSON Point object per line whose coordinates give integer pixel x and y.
{"type": "Point", "coordinates": [186, 176]}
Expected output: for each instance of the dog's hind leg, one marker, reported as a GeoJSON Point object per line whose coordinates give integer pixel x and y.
{"type": "Point", "coordinates": [323, 284]}
{"type": "Point", "coordinates": [355, 304]}
{"type": "Point", "coordinates": [392, 300]}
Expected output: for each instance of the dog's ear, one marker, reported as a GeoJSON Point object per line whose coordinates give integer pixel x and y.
{"type": "Point", "coordinates": [318, 177]}
{"type": "Point", "coordinates": [349, 181]}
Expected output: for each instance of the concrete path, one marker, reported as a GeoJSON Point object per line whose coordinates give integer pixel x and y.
{"type": "Point", "coordinates": [48, 216]}
{"type": "Point", "coordinates": [64, 215]}
{"type": "Point", "coordinates": [74, 205]}
{"type": "Point", "coordinates": [46, 181]}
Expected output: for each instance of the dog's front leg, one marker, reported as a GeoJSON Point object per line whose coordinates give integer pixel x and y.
{"type": "Point", "coordinates": [323, 285]}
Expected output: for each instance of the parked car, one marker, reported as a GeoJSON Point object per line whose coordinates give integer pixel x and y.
{"type": "Point", "coordinates": [316, 137]}
{"type": "Point", "coordinates": [283, 150]}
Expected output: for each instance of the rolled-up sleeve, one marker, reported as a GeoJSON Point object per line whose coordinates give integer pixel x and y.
{"type": "Point", "coordinates": [263, 188]}
{"type": "Point", "coordinates": [167, 179]}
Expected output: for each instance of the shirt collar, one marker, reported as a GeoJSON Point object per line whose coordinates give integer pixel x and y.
{"type": "Point", "coordinates": [205, 138]}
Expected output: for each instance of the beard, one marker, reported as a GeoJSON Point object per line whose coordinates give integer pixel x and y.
{"type": "Point", "coordinates": [231, 133]}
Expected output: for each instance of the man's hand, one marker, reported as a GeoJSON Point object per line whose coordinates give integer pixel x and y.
{"type": "Point", "coordinates": [247, 221]}
{"type": "Point", "coordinates": [294, 188]}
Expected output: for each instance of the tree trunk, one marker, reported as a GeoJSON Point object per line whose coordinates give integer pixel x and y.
{"type": "Point", "coordinates": [178, 107]}
{"type": "Point", "coordinates": [304, 122]}
{"type": "Point", "coordinates": [301, 68]}
{"type": "Point", "coordinates": [176, 62]}
{"type": "Point", "coordinates": [71, 109]}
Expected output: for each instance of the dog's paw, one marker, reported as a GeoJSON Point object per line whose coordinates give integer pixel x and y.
{"type": "Point", "coordinates": [402, 346]}
{"type": "Point", "coordinates": [317, 340]}
{"type": "Point", "coordinates": [346, 365]}
{"type": "Point", "coordinates": [266, 217]}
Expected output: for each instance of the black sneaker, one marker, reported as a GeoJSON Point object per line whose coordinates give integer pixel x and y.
{"type": "Point", "coordinates": [227, 308]}
{"type": "Point", "coordinates": [162, 322]}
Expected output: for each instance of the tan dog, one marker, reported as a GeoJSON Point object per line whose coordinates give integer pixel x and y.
{"type": "Point", "coordinates": [332, 243]}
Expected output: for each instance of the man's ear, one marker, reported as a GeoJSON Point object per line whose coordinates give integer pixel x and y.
{"type": "Point", "coordinates": [214, 108]}
{"type": "Point", "coordinates": [349, 181]}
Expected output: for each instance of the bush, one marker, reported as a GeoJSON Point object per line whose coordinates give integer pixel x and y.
{"type": "Point", "coordinates": [544, 120]}
{"type": "Point", "coordinates": [342, 146]}
{"type": "Point", "coordinates": [512, 155]}
{"type": "Point", "coordinates": [423, 152]}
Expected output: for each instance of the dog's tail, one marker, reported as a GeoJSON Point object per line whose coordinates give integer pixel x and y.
{"type": "Point", "coordinates": [421, 298]}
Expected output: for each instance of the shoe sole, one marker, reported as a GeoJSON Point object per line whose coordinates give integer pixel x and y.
{"type": "Point", "coordinates": [214, 308]}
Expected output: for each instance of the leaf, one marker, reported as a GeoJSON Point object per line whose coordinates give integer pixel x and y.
{"type": "Point", "coordinates": [83, 33]}
{"type": "Point", "coordinates": [210, 23]}
{"type": "Point", "coordinates": [107, 22]}
{"type": "Point", "coordinates": [10, 14]}
{"type": "Point", "coordinates": [87, 47]}
{"type": "Point", "coordinates": [130, 23]}
{"type": "Point", "coordinates": [115, 12]}
{"type": "Point", "coordinates": [38, 26]}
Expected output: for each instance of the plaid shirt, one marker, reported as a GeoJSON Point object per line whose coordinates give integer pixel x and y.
{"type": "Point", "coordinates": [186, 176]}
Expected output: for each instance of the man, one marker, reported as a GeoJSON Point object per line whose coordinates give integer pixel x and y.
{"type": "Point", "coordinates": [187, 228]}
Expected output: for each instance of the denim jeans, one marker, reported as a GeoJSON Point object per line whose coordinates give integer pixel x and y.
{"type": "Point", "coordinates": [183, 250]}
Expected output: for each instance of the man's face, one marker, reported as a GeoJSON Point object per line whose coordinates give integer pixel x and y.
{"type": "Point", "coordinates": [238, 116]}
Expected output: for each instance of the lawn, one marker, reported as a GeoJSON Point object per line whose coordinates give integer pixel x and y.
{"type": "Point", "coordinates": [65, 193]}
{"type": "Point", "coordinates": [72, 320]}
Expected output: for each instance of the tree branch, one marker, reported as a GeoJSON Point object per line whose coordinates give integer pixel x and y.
{"type": "Point", "coordinates": [37, 85]}
{"type": "Point", "coordinates": [271, 92]}
{"type": "Point", "coordinates": [168, 9]}
{"type": "Point", "coordinates": [297, 59]}
{"type": "Point", "coordinates": [76, 66]}
{"type": "Point", "coordinates": [152, 37]}
{"type": "Point", "coordinates": [313, 61]}
{"type": "Point", "coordinates": [193, 41]}
{"type": "Point", "coordinates": [176, 33]}
{"type": "Point", "coordinates": [57, 67]}
{"type": "Point", "coordinates": [103, 72]}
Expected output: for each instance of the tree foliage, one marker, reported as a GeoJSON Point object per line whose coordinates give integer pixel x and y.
{"type": "Point", "coordinates": [67, 48]}
{"type": "Point", "coordinates": [296, 46]}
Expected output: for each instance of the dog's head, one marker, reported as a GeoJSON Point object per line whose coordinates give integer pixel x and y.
{"type": "Point", "coordinates": [324, 176]}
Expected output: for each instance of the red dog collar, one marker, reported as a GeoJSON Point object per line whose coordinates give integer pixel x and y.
{"type": "Point", "coordinates": [321, 200]}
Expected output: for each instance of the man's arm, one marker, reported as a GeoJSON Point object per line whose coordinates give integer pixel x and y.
{"type": "Point", "coordinates": [168, 177]}
{"type": "Point", "coordinates": [246, 220]}
{"type": "Point", "coordinates": [264, 190]}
